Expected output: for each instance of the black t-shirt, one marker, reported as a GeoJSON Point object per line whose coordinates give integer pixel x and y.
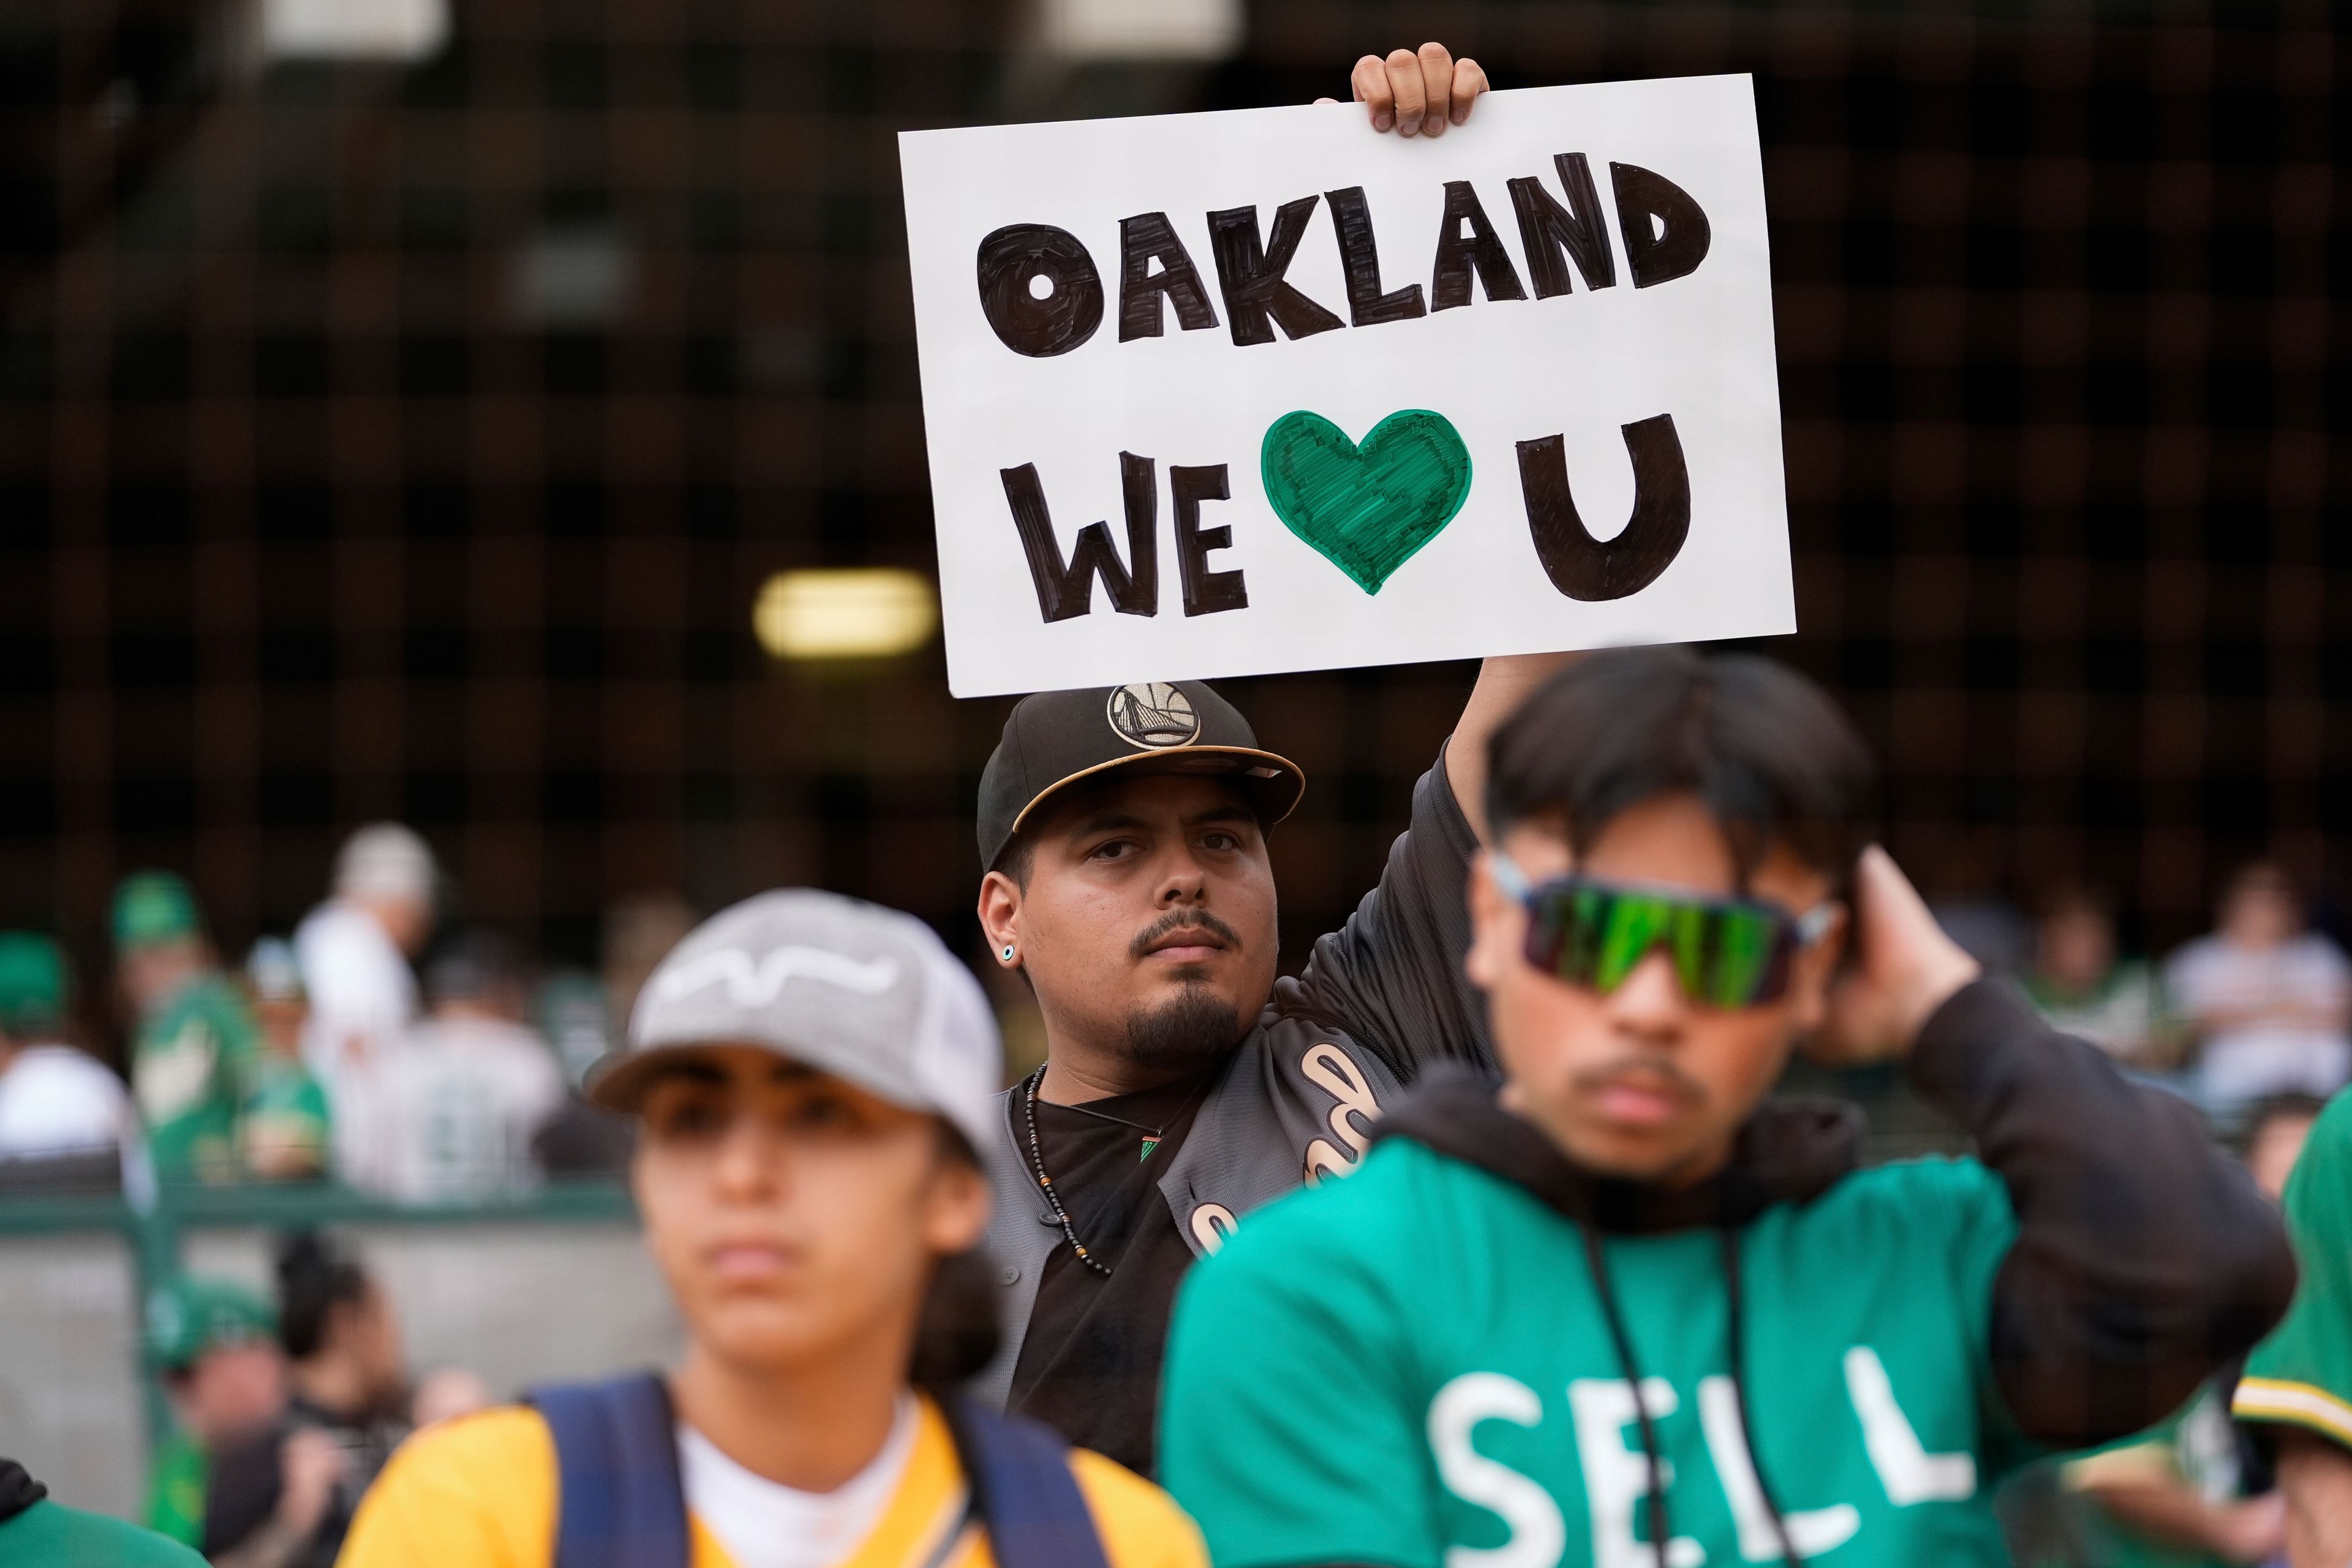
{"type": "Point", "coordinates": [1090, 1364]}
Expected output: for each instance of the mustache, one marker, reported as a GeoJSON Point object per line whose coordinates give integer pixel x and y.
{"type": "Point", "coordinates": [1659, 1070]}
{"type": "Point", "coordinates": [1183, 920]}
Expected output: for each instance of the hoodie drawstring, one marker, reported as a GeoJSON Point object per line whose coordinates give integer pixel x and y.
{"type": "Point", "coordinates": [1661, 1527]}
{"type": "Point", "coordinates": [1739, 1397]}
{"type": "Point", "coordinates": [1661, 1524]}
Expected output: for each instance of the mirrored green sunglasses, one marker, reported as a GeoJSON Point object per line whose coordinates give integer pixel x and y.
{"type": "Point", "coordinates": [1726, 953]}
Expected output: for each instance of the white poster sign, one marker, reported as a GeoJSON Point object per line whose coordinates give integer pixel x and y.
{"type": "Point", "coordinates": [1231, 393]}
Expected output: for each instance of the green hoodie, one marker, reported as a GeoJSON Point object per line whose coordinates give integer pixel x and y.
{"type": "Point", "coordinates": [1418, 1366]}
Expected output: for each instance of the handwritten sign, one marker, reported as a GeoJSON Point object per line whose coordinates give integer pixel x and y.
{"type": "Point", "coordinates": [1231, 393]}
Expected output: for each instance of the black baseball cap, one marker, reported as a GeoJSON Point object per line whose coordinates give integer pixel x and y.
{"type": "Point", "coordinates": [1056, 738]}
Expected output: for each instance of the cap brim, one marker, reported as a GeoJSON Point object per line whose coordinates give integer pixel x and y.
{"type": "Point", "coordinates": [619, 1082]}
{"type": "Point", "coordinates": [1273, 783]}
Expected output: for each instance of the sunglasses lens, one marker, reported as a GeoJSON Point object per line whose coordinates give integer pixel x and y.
{"type": "Point", "coordinates": [1742, 958]}
{"type": "Point", "coordinates": [1724, 956]}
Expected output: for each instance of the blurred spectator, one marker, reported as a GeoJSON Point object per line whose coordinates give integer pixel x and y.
{"type": "Point", "coordinates": [283, 1496]}
{"type": "Point", "coordinates": [460, 1099]}
{"type": "Point", "coordinates": [2270, 1000]}
{"type": "Point", "coordinates": [285, 1135]}
{"type": "Point", "coordinates": [2276, 1134]}
{"type": "Point", "coordinates": [215, 1343]}
{"type": "Point", "coordinates": [355, 948]}
{"type": "Point", "coordinates": [638, 934]}
{"type": "Point", "coordinates": [196, 1049]}
{"type": "Point", "coordinates": [65, 1120]}
{"type": "Point", "coordinates": [354, 951]}
{"type": "Point", "coordinates": [2079, 986]}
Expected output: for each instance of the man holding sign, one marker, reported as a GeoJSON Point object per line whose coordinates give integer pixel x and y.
{"type": "Point", "coordinates": [1123, 833]}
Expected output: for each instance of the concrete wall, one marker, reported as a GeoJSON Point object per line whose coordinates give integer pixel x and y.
{"type": "Point", "coordinates": [69, 1399]}
{"type": "Point", "coordinates": [518, 1303]}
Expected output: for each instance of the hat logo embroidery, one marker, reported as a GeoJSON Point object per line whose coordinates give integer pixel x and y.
{"type": "Point", "coordinates": [1152, 714]}
{"type": "Point", "coordinates": [750, 984]}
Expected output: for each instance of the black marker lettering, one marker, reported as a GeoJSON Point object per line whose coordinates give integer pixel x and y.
{"type": "Point", "coordinates": [1066, 591]}
{"type": "Point", "coordinates": [1252, 279]}
{"type": "Point", "coordinates": [1457, 254]}
{"type": "Point", "coordinates": [1011, 259]}
{"type": "Point", "coordinates": [1673, 247]}
{"type": "Point", "coordinates": [1547, 229]}
{"type": "Point", "coordinates": [1143, 239]}
{"type": "Point", "coordinates": [1366, 304]}
{"type": "Point", "coordinates": [1580, 566]}
{"type": "Point", "coordinates": [1205, 591]}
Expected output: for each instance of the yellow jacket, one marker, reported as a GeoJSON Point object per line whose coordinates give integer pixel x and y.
{"type": "Point", "coordinates": [480, 1492]}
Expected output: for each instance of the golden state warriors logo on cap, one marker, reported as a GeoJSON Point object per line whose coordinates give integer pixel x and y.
{"type": "Point", "coordinates": [1152, 714]}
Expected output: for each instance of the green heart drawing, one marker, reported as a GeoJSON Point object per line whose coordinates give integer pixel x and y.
{"type": "Point", "coordinates": [1366, 508]}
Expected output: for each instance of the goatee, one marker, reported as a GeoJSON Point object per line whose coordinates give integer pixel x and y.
{"type": "Point", "coordinates": [1183, 1033]}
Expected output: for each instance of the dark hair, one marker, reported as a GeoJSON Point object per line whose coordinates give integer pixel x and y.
{"type": "Point", "coordinates": [315, 1276]}
{"type": "Point", "coordinates": [1763, 747]}
{"type": "Point", "coordinates": [958, 1331]}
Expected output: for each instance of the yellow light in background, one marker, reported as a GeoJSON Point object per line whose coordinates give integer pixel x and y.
{"type": "Point", "coordinates": [861, 612]}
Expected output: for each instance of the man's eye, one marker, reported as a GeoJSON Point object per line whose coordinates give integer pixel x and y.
{"type": "Point", "coordinates": [1220, 841]}
{"type": "Point", "coordinates": [1116, 850]}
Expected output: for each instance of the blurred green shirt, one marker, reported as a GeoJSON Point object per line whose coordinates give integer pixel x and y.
{"type": "Point", "coordinates": [194, 1066]}
{"type": "Point", "coordinates": [177, 1478]}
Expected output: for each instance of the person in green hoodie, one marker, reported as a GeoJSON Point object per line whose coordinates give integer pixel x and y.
{"type": "Point", "coordinates": [1627, 1310]}
{"type": "Point", "coordinates": [196, 1059]}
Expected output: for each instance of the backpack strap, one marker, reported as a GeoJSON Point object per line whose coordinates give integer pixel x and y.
{"type": "Point", "coordinates": [1021, 1489]}
{"type": "Point", "coordinates": [619, 1501]}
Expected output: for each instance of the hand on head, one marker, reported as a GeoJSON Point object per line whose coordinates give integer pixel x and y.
{"type": "Point", "coordinates": [1416, 93]}
{"type": "Point", "coordinates": [1903, 968]}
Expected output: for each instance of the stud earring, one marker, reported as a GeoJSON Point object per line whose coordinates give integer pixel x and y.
{"type": "Point", "coordinates": [1008, 952]}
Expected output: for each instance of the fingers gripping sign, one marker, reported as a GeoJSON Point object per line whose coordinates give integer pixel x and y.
{"type": "Point", "coordinates": [1416, 93]}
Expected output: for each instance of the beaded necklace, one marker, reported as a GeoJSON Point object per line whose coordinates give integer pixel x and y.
{"type": "Point", "coordinates": [1151, 1138]}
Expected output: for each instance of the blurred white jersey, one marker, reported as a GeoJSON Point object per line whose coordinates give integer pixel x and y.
{"type": "Point", "coordinates": [362, 992]}
{"type": "Point", "coordinates": [363, 999]}
{"type": "Point", "coordinates": [454, 1108]}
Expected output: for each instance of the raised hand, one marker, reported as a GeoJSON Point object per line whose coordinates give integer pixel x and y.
{"type": "Point", "coordinates": [1903, 968]}
{"type": "Point", "coordinates": [1416, 94]}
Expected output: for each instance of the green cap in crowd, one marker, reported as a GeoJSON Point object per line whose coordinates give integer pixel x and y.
{"type": "Point", "coordinates": [193, 1314]}
{"type": "Point", "coordinates": [154, 907]}
{"type": "Point", "coordinates": [32, 984]}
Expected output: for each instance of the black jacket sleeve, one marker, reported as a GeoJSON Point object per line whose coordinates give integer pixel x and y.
{"type": "Point", "coordinates": [2145, 1257]}
{"type": "Point", "coordinates": [1390, 979]}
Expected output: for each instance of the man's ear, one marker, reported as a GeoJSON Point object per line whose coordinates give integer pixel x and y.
{"type": "Point", "coordinates": [1490, 913]}
{"type": "Point", "coordinates": [1816, 969]}
{"type": "Point", "coordinates": [1000, 910]}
